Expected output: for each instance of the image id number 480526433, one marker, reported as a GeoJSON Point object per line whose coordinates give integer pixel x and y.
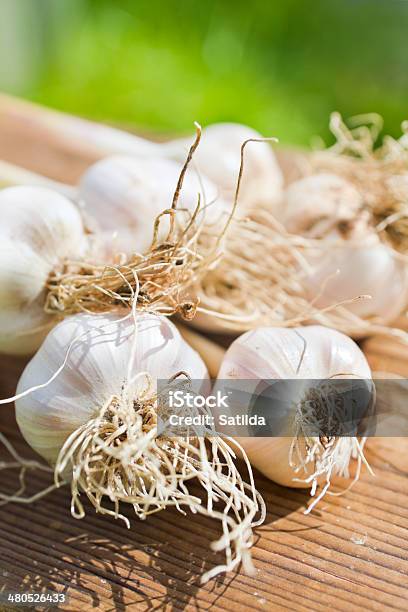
{"type": "Point", "coordinates": [27, 599]}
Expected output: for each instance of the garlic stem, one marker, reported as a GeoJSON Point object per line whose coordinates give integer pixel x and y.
{"type": "Point", "coordinates": [79, 135]}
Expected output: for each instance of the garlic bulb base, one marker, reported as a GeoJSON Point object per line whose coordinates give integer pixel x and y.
{"type": "Point", "coordinates": [117, 456]}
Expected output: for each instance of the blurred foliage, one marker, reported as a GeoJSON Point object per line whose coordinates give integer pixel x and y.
{"type": "Point", "coordinates": [281, 66]}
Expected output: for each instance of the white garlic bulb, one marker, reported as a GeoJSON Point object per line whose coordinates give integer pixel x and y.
{"type": "Point", "coordinates": [219, 155]}
{"type": "Point", "coordinates": [361, 265]}
{"type": "Point", "coordinates": [352, 260]}
{"type": "Point", "coordinates": [307, 353]}
{"type": "Point", "coordinates": [122, 196]}
{"type": "Point", "coordinates": [40, 229]}
{"type": "Point", "coordinates": [96, 370]}
{"type": "Point", "coordinates": [96, 420]}
{"type": "Point", "coordinates": [319, 201]}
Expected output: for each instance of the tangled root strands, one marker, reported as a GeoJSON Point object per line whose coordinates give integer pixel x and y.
{"type": "Point", "coordinates": [380, 173]}
{"type": "Point", "coordinates": [24, 466]}
{"type": "Point", "coordinates": [325, 456]}
{"type": "Point", "coordinates": [254, 286]}
{"type": "Point", "coordinates": [118, 456]}
{"type": "Point", "coordinates": [161, 276]}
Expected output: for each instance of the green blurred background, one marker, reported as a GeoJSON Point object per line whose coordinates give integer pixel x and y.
{"type": "Point", "coordinates": [157, 65]}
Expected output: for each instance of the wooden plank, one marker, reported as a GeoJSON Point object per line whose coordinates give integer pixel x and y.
{"type": "Point", "coordinates": [350, 554]}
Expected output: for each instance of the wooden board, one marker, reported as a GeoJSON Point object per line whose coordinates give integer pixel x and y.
{"type": "Point", "coordinates": [350, 554]}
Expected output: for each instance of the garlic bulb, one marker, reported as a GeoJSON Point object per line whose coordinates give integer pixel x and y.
{"type": "Point", "coordinates": [97, 422]}
{"type": "Point", "coordinates": [40, 229]}
{"type": "Point", "coordinates": [361, 265]}
{"type": "Point", "coordinates": [351, 259]}
{"type": "Point", "coordinates": [306, 354]}
{"type": "Point", "coordinates": [96, 370]}
{"type": "Point", "coordinates": [319, 201]}
{"type": "Point", "coordinates": [122, 196]}
{"type": "Point", "coordinates": [219, 155]}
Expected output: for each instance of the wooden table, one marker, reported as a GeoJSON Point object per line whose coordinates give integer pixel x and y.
{"type": "Point", "coordinates": [349, 554]}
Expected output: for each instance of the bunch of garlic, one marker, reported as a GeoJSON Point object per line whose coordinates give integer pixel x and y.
{"type": "Point", "coordinates": [40, 231]}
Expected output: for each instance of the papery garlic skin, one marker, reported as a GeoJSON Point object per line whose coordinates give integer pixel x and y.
{"type": "Point", "coordinates": [122, 196]}
{"type": "Point", "coordinates": [351, 259]}
{"type": "Point", "coordinates": [219, 155]}
{"type": "Point", "coordinates": [96, 369]}
{"type": "Point", "coordinates": [40, 229]}
{"type": "Point", "coordinates": [354, 267]}
{"type": "Point", "coordinates": [316, 200]}
{"type": "Point", "coordinates": [265, 354]}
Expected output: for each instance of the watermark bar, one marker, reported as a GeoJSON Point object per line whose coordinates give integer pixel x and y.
{"type": "Point", "coordinates": [282, 408]}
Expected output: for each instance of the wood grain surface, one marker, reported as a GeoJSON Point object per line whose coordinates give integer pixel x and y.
{"type": "Point", "coordinates": [350, 554]}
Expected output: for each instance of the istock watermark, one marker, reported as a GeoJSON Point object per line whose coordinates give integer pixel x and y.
{"type": "Point", "coordinates": [186, 410]}
{"type": "Point", "coordinates": [180, 399]}
{"type": "Point", "coordinates": [272, 408]}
